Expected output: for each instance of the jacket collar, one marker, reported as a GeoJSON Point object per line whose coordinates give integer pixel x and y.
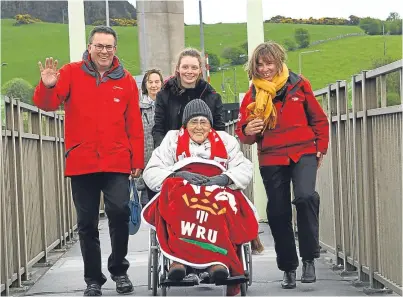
{"type": "Point", "coordinates": [145, 103]}
{"type": "Point", "coordinates": [115, 72]}
{"type": "Point", "coordinates": [202, 87]}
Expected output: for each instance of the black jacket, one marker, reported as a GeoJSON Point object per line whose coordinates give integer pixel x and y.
{"type": "Point", "coordinates": [171, 101]}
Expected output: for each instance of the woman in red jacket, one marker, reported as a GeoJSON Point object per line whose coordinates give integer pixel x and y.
{"type": "Point", "coordinates": [281, 114]}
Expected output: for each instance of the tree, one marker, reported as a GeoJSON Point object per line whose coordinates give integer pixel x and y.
{"type": "Point", "coordinates": [302, 37]}
{"type": "Point", "coordinates": [354, 20]}
{"type": "Point", "coordinates": [392, 81]}
{"type": "Point", "coordinates": [18, 88]}
{"type": "Point", "coordinates": [393, 16]}
{"type": "Point", "coordinates": [235, 55]}
{"type": "Point", "coordinates": [290, 44]}
{"type": "Point", "coordinates": [214, 62]}
{"type": "Point", "coordinates": [394, 27]}
{"type": "Point", "coordinates": [371, 26]}
{"type": "Point", "coordinates": [244, 46]}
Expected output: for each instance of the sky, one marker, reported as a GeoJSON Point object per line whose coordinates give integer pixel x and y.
{"type": "Point", "coordinates": [234, 11]}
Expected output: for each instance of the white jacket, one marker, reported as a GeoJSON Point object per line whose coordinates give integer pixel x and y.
{"type": "Point", "coordinates": [163, 161]}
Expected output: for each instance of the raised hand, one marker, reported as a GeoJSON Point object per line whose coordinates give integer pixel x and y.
{"type": "Point", "coordinates": [49, 73]}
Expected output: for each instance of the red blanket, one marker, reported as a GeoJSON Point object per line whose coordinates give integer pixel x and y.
{"type": "Point", "coordinates": [201, 226]}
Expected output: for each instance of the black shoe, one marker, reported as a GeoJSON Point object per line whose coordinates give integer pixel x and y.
{"type": "Point", "coordinates": [289, 280]}
{"type": "Point", "coordinates": [308, 271]}
{"type": "Point", "coordinates": [217, 273]}
{"type": "Point", "coordinates": [93, 290]}
{"type": "Point", "coordinates": [123, 284]}
{"type": "Point", "coordinates": [176, 272]}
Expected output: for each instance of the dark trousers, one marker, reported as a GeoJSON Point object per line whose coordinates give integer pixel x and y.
{"type": "Point", "coordinates": [277, 180]}
{"type": "Point", "coordinates": [150, 193]}
{"type": "Point", "coordinates": [86, 195]}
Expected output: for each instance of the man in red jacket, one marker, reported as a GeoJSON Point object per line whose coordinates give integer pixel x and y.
{"type": "Point", "coordinates": [104, 145]}
{"type": "Point", "coordinates": [281, 114]}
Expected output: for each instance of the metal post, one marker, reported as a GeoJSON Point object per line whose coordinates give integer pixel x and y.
{"type": "Point", "coordinates": [384, 41]}
{"type": "Point", "coordinates": [357, 222]}
{"type": "Point", "coordinates": [235, 85]}
{"type": "Point", "coordinates": [77, 38]}
{"type": "Point", "coordinates": [202, 40]}
{"type": "Point", "coordinates": [300, 64]}
{"type": "Point", "coordinates": [107, 12]}
{"type": "Point", "coordinates": [142, 35]}
{"type": "Point", "coordinates": [300, 58]}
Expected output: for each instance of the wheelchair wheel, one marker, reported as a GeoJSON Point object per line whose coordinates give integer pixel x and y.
{"type": "Point", "coordinates": [164, 269]}
{"type": "Point", "coordinates": [248, 260]}
{"type": "Point", "coordinates": [244, 288]}
{"type": "Point", "coordinates": [155, 271]}
{"type": "Point", "coordinates": [150, 263]}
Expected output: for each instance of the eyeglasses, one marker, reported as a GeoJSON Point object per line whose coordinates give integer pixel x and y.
{"type": "Point", "coordinates": [100, 47]}
{"type": "Point", "coordinates": [204, 123]}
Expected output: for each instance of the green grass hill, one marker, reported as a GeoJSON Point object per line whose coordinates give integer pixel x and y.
{"type": "Point", "coordinates": [23, 46]}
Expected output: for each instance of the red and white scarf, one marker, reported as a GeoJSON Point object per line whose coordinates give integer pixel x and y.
{"type": "Point", "coordinates": [218, 150]}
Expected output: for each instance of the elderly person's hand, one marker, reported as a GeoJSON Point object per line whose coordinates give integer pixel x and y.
{"type": "Point", "coordinates": [193, 178]}
{"type": "Point", "coordinates": [221, 180]}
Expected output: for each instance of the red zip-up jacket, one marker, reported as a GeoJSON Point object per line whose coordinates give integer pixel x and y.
{"type": "Point", "coordinates": [103, 126]}
{"type": "Point", "coordinates": [302, 126]}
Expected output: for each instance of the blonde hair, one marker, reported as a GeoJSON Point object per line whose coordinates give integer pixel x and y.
{"type": "Point", "coordinates": [267, 51]}
{"type": "Point", "coordinates": [189, 52]}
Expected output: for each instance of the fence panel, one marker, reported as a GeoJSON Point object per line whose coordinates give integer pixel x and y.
{"type": "Point", "coordinates": [364, 173]}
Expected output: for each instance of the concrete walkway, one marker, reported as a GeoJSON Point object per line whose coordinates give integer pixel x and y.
{"type": "Point", "coordinates": [65, 276]}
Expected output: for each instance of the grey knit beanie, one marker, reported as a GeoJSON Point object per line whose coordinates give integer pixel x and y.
{"type": "Point", "coordinates": [195, 108]}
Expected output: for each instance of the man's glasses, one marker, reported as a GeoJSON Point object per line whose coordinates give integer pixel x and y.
{"type": "Point", "coordinates": [100, 47]}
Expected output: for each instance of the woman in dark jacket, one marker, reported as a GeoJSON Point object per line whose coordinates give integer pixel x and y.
{"type": "Point", "coordinates": [187, 84]}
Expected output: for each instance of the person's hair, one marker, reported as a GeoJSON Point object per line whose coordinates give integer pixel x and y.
{"type": "Point", "coordinates": [145, 79]}
{"type": "Point", "coordinates": [268, 51]}
{"type": "Point", "coordinates": [189, 52]}
{"type": "Point", "coordinates": [105, 30]}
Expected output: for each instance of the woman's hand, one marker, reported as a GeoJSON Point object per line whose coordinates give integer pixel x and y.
{"type": "Point", "coordinates": [254, 127]}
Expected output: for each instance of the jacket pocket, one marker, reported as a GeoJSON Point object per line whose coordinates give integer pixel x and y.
{"type": "Point", "coordinates": [72, 148]}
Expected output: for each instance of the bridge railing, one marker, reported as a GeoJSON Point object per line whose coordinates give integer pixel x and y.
{"type": "Point", "coordinates": [360, 183]}
{"type": "Point", "coordinates": [36, 211]}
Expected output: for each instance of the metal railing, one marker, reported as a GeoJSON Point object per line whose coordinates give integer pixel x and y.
{"type": "Point", "coordinates": [36, 211]}
{"type": "Point", "coordinates": [360, 183]}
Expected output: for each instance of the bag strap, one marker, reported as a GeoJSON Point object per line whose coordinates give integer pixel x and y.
{"type": "Point", "coordinates": [132, 187]}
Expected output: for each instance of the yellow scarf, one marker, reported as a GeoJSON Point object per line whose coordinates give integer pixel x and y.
{"type": "Point", "coordinates": [263, 107]}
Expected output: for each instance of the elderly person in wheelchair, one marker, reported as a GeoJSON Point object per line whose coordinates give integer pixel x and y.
{"type": "Point", "coordinates": [200, 213]}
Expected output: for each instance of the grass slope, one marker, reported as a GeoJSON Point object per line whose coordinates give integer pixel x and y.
{"type": "Point", "coordinates": [23, 46]}
{"type": "Point", "coordinates": [336, 60]}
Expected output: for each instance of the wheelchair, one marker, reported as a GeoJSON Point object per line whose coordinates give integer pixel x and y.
{"type": "Point", "coordinates": [158, 266]}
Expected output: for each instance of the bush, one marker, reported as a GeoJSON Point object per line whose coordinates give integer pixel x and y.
{"type": "Point", "coordinates": [371, 26]}
{"type": "Point", "coordinates": [25, 19]}
{"type": "Point", "coordinates": [18, 88]}
{"type": "Point", "coordinates": [123, 22]}
{"type": "Point", "coordinates": [214, 62]}
{"type": "Point", "coordinates": [235, 55]}
{"type": "Point", "coordinates": [302, 37]}
{"type": "Point", "coordinates": [394, 27]}
{"type": "Point", "coordinates": [116, 22]}
{"type": "Point", "coordinates": [290, 44]}
{"type": "Point", "coordinates": [244, 46]}
{"type": "Point", "coordinates": [99, 23]}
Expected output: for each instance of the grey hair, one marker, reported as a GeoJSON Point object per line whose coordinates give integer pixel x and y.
{"type": "Point", "coordinates": [102, 29]}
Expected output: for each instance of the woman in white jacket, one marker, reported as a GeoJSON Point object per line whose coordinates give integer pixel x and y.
{"type": "Point", "coordinates": [200, 173]}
